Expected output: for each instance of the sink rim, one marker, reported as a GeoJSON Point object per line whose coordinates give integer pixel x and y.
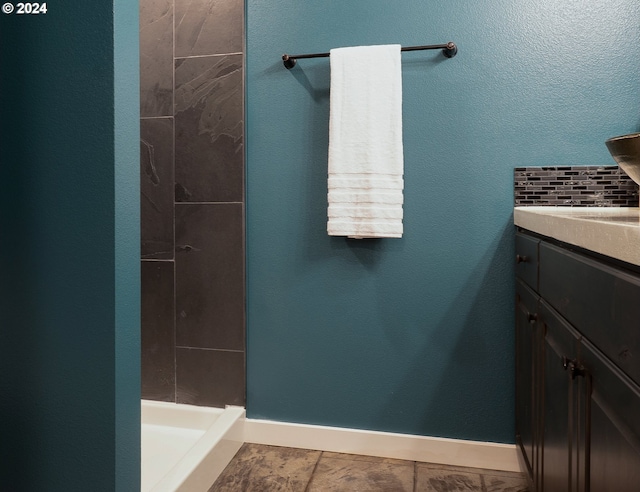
{"type": "Point", "coordinates": [623, 137]}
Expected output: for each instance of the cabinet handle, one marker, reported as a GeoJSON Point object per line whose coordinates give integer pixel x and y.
{"type": "Point", "coordinates": [575, 368]}
{"type": "Point", "coordinates": [532, 317]}
{"type": "Point", "coordinates": [521, 259]}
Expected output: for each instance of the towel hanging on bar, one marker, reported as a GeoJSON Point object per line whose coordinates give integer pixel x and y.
{"type": "Point", "coordinates": [365, 175]}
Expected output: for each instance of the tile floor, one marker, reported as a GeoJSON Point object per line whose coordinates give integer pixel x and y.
{"type": "Point", "coordinates": [259, 468]}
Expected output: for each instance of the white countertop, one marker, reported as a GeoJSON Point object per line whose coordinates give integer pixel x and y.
{"type": "Point", "coordinates": [610, 231]}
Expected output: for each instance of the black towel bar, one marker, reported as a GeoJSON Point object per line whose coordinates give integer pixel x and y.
{"type": "Point", "coordinates": [449, 50]}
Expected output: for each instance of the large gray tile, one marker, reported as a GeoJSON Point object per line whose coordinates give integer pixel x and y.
{"type": "Point", "coordinates": [212, 378]}
{"type": "Point", "coordinates": [210, 276]}
{"type": "Point", "coordinates": [157, 331]}
{"type": "Point", "coordinates": [156, 188]}
{"type": "Point", "coordinates": [156, 58]}
{"type": "Point", "coordinates": [346, 473]}
{"type": "Point", "coordinates": [209, 129]}
{"type": "Point", "coordinates": [258, 468]}
{"type": "Point", "coordinates": [430, 479]}
{"type": "Point", "coordinates": [209, 27]}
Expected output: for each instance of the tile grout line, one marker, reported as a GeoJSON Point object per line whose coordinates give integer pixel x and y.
{"type": "Point", "coordinates": [235, 53]}
{"type": "Point", "coordinates": [483, 485]}
{"type": "Point", "coordinates": [173, 168]}
{"type": "Point", "coordinates": [234, 351]}
{"type": "Point", "coordinates": [306, 489]}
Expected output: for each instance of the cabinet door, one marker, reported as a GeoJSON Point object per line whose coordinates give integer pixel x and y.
{"type": "Point", "coordinates": [526, 373]}
{"type": "Point", "coordinates": [559, 403]}
{"type": "Point", "coordinates": [614, 417]}
{"type": "Point", "coordinates": [600, 300]}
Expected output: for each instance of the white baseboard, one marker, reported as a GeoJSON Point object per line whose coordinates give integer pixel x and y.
{"type": "Point", "coordinates": [455, 452]}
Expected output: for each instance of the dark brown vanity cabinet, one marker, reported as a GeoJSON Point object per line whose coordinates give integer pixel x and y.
{"type": "Point", "coordinates": [577, 369]}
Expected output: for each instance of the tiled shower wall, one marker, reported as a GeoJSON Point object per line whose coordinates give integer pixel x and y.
{"type": "Point", "coordinates": [192, 201]}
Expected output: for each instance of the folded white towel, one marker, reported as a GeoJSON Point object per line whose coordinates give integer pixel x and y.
{"type": "Point", "coordinates": [365, 142]}
{"type": "Point", "coordinates": [365, 230]}
{"type": "Point", "coordinates": [378, 181]}
{"type": "Point", "coordinates": [364, 196]}
{"type": "Point", "coordinates": [366, 211]}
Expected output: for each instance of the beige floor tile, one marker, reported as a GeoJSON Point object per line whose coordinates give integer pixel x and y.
{"type": "Point", "coordinates": [481, 471]}
{"type": "Point", "coordinates": [345, 473]}
{"type": "Point", "coordinates": [502, 483]}
{"type": "Point", "coordinates": [258, 468]}
{"type": "Point", "coordinates": [430, 479]}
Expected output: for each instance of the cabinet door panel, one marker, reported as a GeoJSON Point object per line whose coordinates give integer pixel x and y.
{"type": "Point", "coordinates": [559, 403]}
{"type": "Point", "coordinates": [526, 377]}
{"type": "Point", "coordinates": [600, 300]}
{"type": "Point", "coordinates": [527, 259]}
{"type": "Point", "coordinates": [614, 418]}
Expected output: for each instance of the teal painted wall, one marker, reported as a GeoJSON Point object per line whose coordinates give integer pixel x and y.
{"type": "Point", "coordinates": [69, 281]}
{"type": "Point", "coordinates": [415, 335]}
{"type": "Point", "coordinates": [126, 77]}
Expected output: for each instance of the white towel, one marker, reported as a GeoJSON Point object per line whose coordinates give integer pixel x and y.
{"type": "Point", "coordinates": [365, 143]}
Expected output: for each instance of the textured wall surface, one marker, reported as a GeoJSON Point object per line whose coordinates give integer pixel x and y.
{"type": "Point", "coordinates": [192, 201]}
{"type": "Point", "coordinates": [415, 335]}
{"type": "Point", "coordinates": [126, 67]}
{"type": "Point", "coordinates": [69, 283]}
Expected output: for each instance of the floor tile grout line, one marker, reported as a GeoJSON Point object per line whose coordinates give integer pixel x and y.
{"type": "Point", "coordinates": [306, 489]}
{"type": "Point", "coordinates": [483, 485]}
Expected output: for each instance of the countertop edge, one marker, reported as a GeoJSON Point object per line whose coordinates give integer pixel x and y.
{"type": "Point", "coordinates": [616, 240]}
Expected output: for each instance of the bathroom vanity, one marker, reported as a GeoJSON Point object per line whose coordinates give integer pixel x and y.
{"type": "Point", "coordinates": [578, 347]}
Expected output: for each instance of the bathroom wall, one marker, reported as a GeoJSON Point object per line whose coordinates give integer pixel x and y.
{"type": "Point", "coordinates": [192, 201]}
{"type": "Point", "coordinates": [69, 248]}
{"type": "Point", "coordinates": [415, 334]}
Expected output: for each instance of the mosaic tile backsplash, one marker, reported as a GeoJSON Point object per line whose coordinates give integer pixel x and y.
{"type": "Point", "coordinates": [577, 186]}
